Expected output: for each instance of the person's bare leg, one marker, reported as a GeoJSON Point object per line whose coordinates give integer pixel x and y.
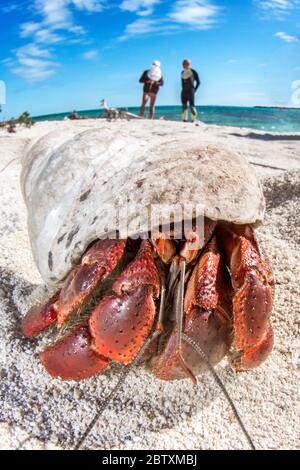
{"type": "Point", "coordinates": [152, 106]}
{"type": "Point", "coordinates": [144, 103]}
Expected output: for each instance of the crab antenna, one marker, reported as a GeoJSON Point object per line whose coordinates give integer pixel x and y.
{"type": "Point", "coordinates": [126, 371]}
{"type": "Point", "coordinates": [217, 378]}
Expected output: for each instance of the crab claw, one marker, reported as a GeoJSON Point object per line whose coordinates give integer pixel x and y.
{"type": "Point", "coordinates": [120, 324]}
{"type": "Point", "coordinates": [97, 263]}
{"type": "Point", "coordinates": [40, 317]}
{"type": "Point", "coordinates": [71, 358]}
{"type": "Point", "coordinates": [164, 247]}
{"type": "Point", "coordinates": [253, 281]}
{"type": "Point", "coordinates": [142, 271]}
{"type": "Point", "coordinates": [253, 356]}
{"type": "Point", "coordinates": [207, 319]}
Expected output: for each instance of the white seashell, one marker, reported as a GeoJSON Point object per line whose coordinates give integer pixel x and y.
{"type": "Point", "coordinates": [69, 176]}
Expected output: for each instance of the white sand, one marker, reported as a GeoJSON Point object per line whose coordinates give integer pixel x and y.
{"type": "Point", "coordinates": [39, 412]}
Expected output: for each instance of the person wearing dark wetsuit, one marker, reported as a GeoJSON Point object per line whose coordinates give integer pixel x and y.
{"type": "Point", "coordinates": [190, 83]}
{"type": "Point", "coordinates": [152, 80]}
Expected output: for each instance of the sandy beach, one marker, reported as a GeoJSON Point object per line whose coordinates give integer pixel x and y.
{"type": "Point", "coordinates": [38, 412]}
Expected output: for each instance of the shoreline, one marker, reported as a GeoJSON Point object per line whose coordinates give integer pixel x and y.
{"type": "Point", "coordinates": [199, 123]}
{"type": "Point", "coordinates": [257, 146]}
{"type": "Point", "coordinates": [269, 119]}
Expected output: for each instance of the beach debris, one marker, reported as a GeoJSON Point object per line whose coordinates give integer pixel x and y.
{"type": "Point", "coordinates": [114, 113]}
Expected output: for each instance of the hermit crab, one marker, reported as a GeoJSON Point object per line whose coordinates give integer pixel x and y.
{"type": "Point", "coordinates": [212, 286]}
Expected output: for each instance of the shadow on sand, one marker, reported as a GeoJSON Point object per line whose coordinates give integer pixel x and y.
{"type": "Point", "coordinates": [268, 137]}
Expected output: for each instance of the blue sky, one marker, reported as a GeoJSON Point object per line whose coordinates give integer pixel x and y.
{"type": "Point", "coordinates": [59, 55]}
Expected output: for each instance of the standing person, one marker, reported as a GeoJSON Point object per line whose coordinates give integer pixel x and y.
{"type": "Point", "coordinates": [190, 83]}
{"type": "Point", "coordinates": [152, 80]}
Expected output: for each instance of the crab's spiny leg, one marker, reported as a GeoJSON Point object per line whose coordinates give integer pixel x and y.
{"type": "Point", "coordinates": [253, 282]}
{"type": "Point", "coordinates": [71, 358]}
{"type": "Point", "coordinates": [97, 263]}
{"type": "Point", "coordinates": [207, 297]}
{"type": "Point", "coordinates": [121, 322]}
{"type": "Point", "coordinates": [40, 317]}
{"type": "Point", "coordinates": [117, 327]}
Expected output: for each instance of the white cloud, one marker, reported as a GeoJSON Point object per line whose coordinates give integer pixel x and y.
{"type": "Point", "coordinates": [57, 15]}
{"type": "Point", "coordinates": [92, 6]}
{"type": "Point", "coordinates": [145, 26]}
{"type": "Point", "coordinates": [196, 14]}
{"type": "Point", "coordinates": [32, 50]}
{"type": "Point", "coordinates": [201, 14]}
{"type": "Point", "coordinates": [27, 29]}
{"type": "Point", "coordinates": [141, 7]}
{"type": "Point", "coordinates": [53, 23]}
{"type": "Point", "coordinates": [33, 63]}
{"type": "Point", "coordinates": [139, 27]}
{"type": "Point", "coordinates": [77, 30]}
{"type": "Point", "coordinates": [286, 37]}
{"type": "Point", "coordinates": [277, 8]}
{"type": "Point", "coordinates": [47, 36]}
{"type": "Point", "coordinates": [89, 55]}
{"type": "Point", "coordinates": [33, 74]}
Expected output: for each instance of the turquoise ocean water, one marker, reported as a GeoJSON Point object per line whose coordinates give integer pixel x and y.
{"type": "Point", "coordinates": [265, 119]}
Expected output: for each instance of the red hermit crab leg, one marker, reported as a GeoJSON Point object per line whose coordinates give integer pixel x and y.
{"type": "Point", "coordinates": [71, 358]}
{"type": "Point", "coordinates": [96, 264]}
{"type": "Point", "coordinates": [40, 317]}
{"type": "Point", "coordinates": [121, 323]}
{"type": "Point", "coordinates": [207, 318]}
{"type": "Point", "coordinates": [100, 260]}
{"type": "Point", "coordinates": [253, 282]}
{"type": "Point", "coordinates": [117, 327]}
